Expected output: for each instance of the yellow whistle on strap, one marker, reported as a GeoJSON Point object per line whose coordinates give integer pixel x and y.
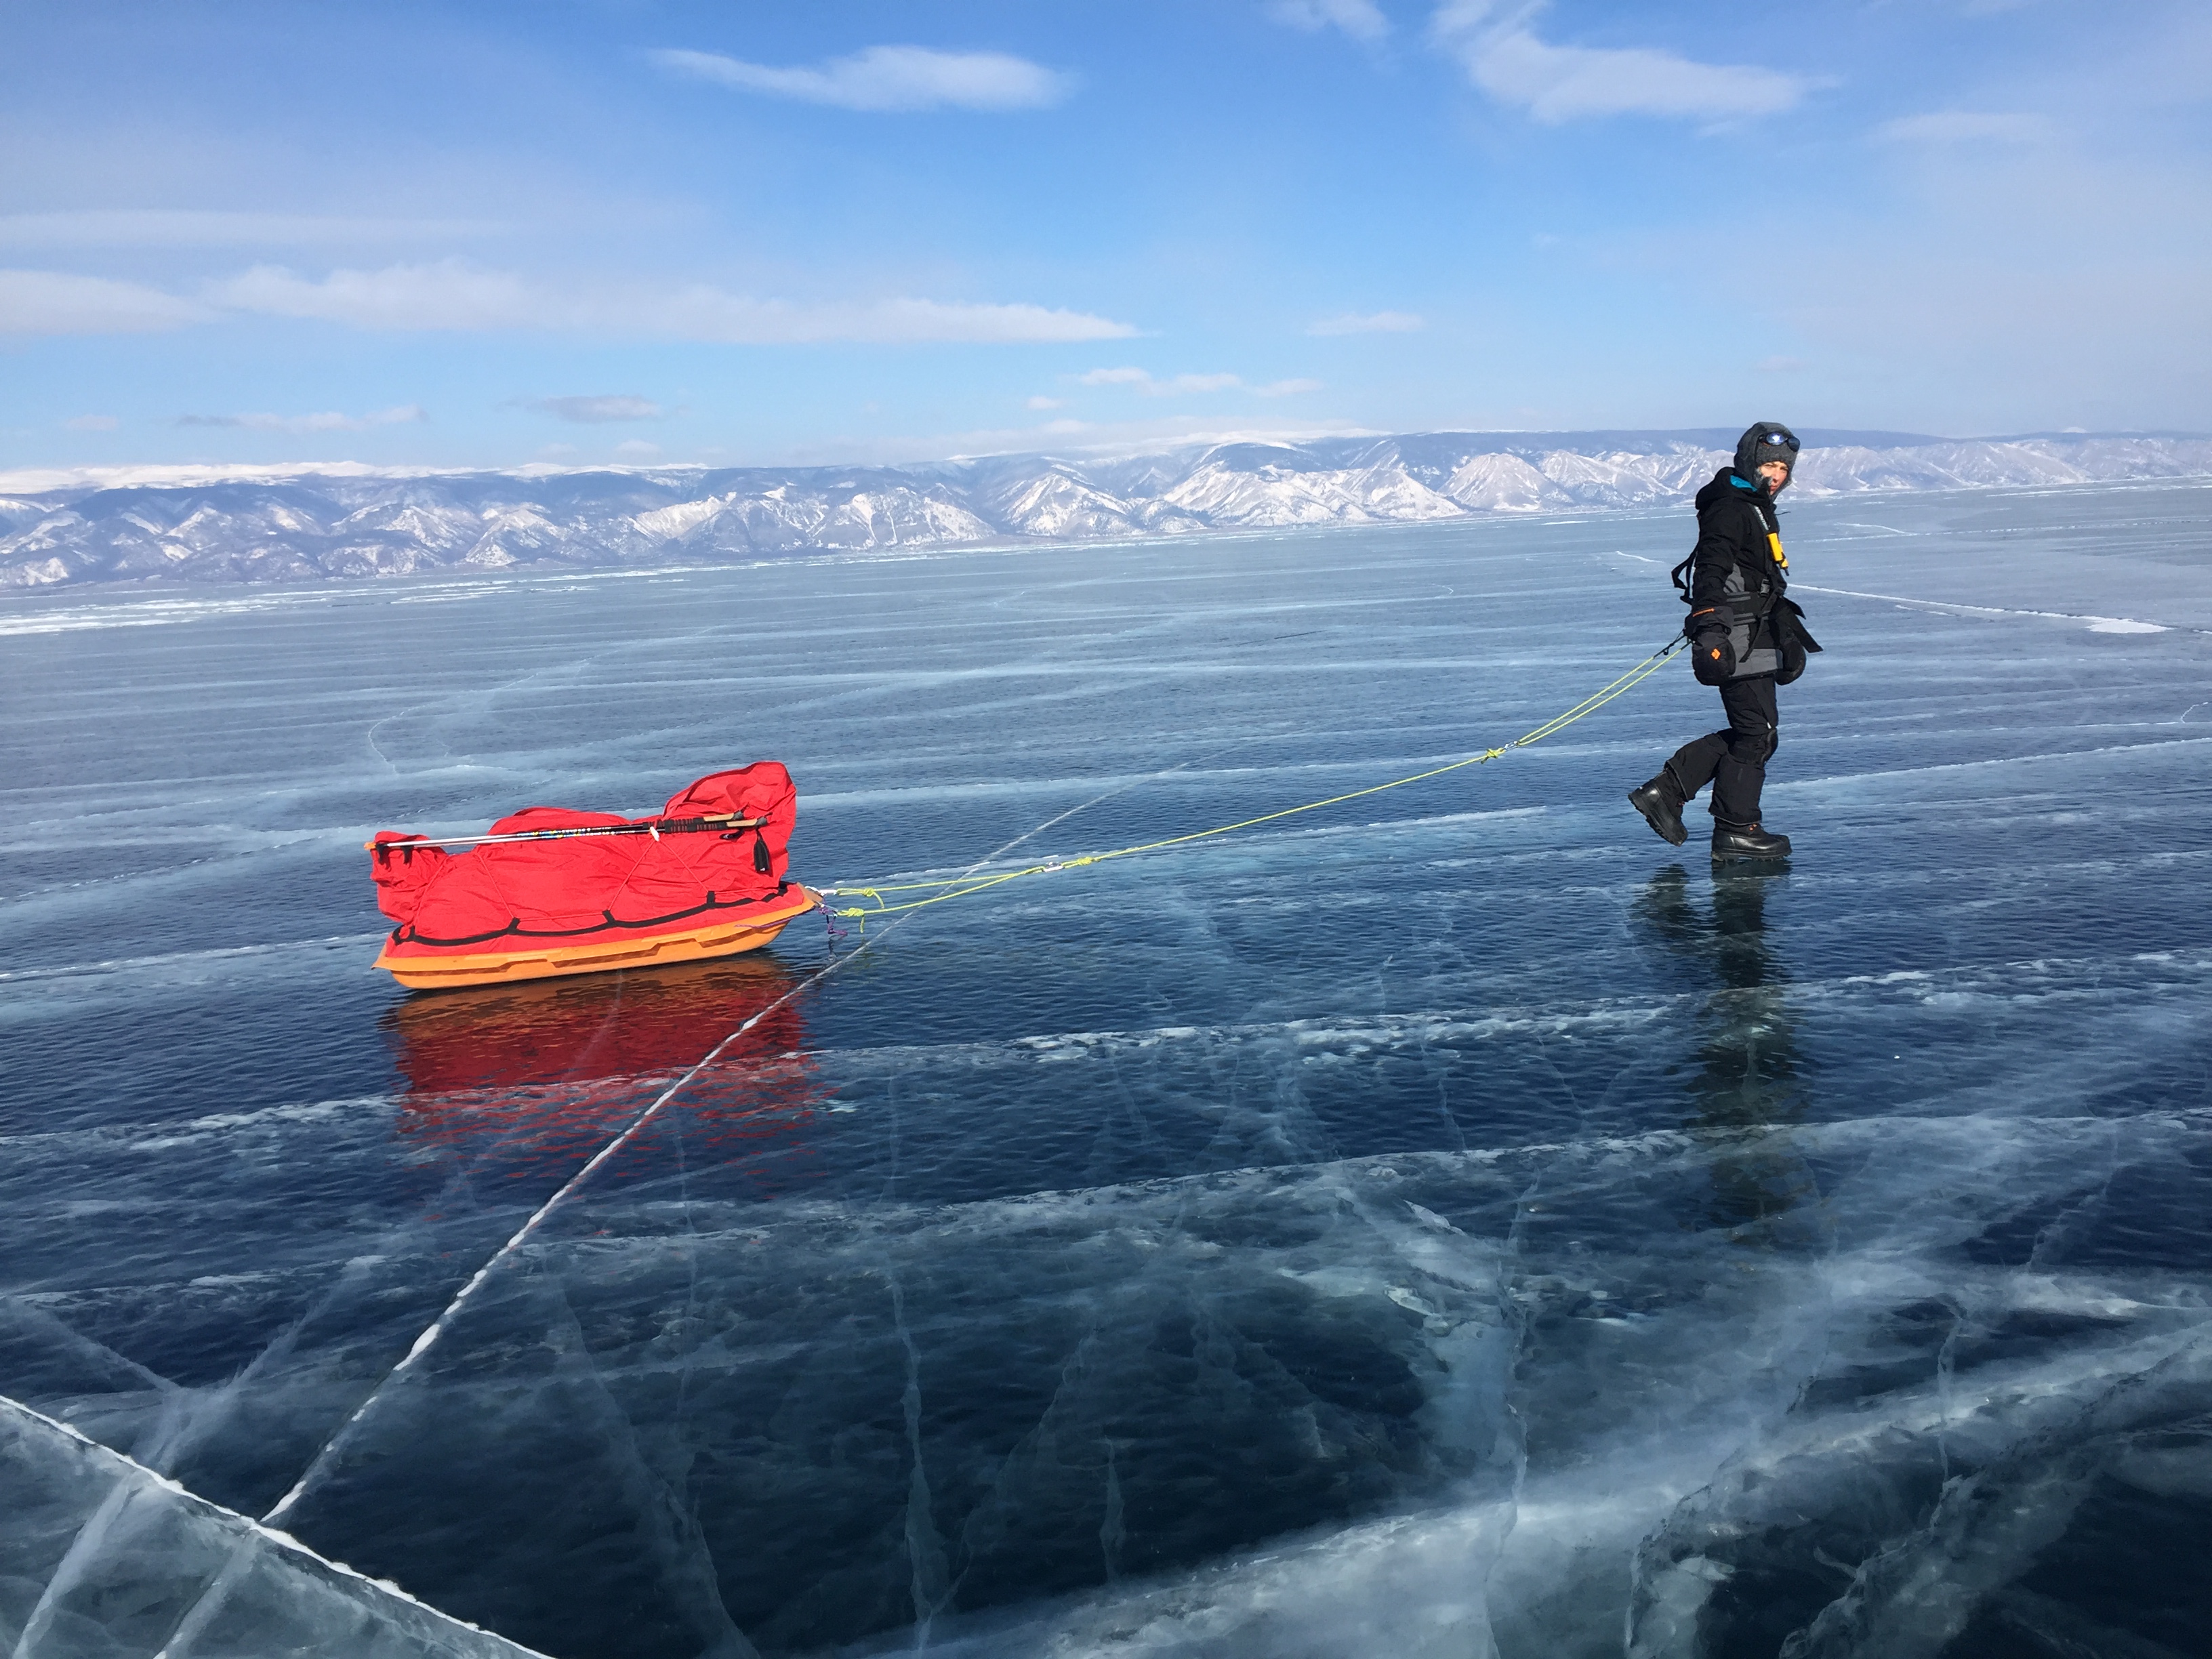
{"type": "Point", "coordinates": [1774, 544]}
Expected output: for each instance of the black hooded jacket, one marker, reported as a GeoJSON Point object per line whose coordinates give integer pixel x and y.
{"type": "Point", "coordinates": [1737, 576]}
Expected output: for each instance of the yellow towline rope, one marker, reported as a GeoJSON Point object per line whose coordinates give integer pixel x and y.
{"type": "Point", "coordinates": [964, 887]}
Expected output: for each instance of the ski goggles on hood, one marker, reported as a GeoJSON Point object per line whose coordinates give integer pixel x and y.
{"type": "Point", "coordinates": [1769, 441]}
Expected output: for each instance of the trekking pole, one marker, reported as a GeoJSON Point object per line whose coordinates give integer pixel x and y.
{"type": "Point", "coordinates": [654, 827]}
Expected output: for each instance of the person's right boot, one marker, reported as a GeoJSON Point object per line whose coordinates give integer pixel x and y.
{"type": "Point", "coordinates": [1746, 840]}
{"type": "Point", "coordinates": [1661, 801]}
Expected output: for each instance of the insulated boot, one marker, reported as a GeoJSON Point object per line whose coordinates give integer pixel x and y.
{"type": "Point", "coordinates": [1661, 801]}
{"type": "Point", "coordinates": [1747, 841]}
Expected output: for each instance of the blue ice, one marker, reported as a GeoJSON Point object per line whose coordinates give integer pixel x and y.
{"type": "Point", "coordinates": [1454, 1223]}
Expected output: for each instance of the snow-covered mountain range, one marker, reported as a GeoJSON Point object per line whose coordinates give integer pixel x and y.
{"type": "Point", "coordinates": [297, 523]}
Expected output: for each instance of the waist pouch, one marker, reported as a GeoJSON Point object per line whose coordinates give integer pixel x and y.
{"type": "Point", "coordinates": [1793, 639]}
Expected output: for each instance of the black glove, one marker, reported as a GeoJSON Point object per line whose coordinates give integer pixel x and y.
{"type": "Point", "coordinates": [1712, 652]}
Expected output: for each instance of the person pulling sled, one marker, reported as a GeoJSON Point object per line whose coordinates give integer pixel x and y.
{"type": "Point", "coordinates": [1746, 637]}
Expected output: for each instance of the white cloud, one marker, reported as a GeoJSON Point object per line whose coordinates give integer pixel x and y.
{"type": "Point", "coordinates": [91, 423]}
{"type": "Point", "coordinates": [597, 410]}
{"type": "Point", "coordinates": [1504, 57]}
{"type": "Point", "coordinates": [886, 78]}
{"type": "Point", "coordinates": [1953, 126]}
{"type": "Point", "coordinates": [1377, 322]}
{"type": "Point", "coordinates": [1103, 439]}
{"type": "Point", "coordinates": [1144, 382]}
{"type": "Point", "coordinates": [194, 228]}
{"type": "Point", "coordinates": [1363, 20]}
{"type": "Point", "coordinates": [1042, 402]}
{"type": "Point", "coordinates": [54, 302]}
{"type": "Point", "coordinates": [1286, 388]}
{"type": "Point", "coordinates": [1193, 383]}
{"type": "Point", "coordinates": [637, 449]}
{"type": "Point", "coordinates": [448, 294]}
{"type": "Point", "coordinates": [330, 421]}
{"type": "Point", "coordinates": [452, 294]}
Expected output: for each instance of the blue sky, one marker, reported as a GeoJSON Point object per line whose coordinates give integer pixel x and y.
{"type": "Point", "coordinates": [492, 234]}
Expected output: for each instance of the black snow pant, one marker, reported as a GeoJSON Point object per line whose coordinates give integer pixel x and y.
{"type": "Point", "coordinates": [1735, 761]}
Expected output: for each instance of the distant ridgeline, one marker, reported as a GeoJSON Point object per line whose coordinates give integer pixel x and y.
{"type": "Point", "coordinates": [234, 525]}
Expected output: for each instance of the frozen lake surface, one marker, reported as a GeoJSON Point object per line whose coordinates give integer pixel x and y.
{"type": "Point", "coordinates": [1451, 1223]}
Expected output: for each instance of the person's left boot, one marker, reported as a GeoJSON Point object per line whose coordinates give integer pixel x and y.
{"type": "Point", "coordinates": [1661, 801]}
{"type": "Point", "coordinates": [1747, 841]}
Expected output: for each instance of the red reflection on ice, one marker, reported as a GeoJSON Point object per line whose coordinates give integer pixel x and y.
{"type": "Point", "coordinates": [528, 1081]}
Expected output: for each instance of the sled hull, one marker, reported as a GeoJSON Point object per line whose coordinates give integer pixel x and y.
{"type": "Point", "coordinates": [723, 936]}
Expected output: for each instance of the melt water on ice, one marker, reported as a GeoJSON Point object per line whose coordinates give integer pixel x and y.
{"type": "Point", "coordinates": [1456, 1223]}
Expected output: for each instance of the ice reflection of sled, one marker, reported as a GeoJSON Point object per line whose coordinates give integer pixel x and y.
{"type": "Point", "coordinates": [530, 1081]}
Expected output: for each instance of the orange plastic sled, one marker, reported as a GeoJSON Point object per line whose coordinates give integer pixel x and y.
{"type": "Point", "coordinates": [722, 937]}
